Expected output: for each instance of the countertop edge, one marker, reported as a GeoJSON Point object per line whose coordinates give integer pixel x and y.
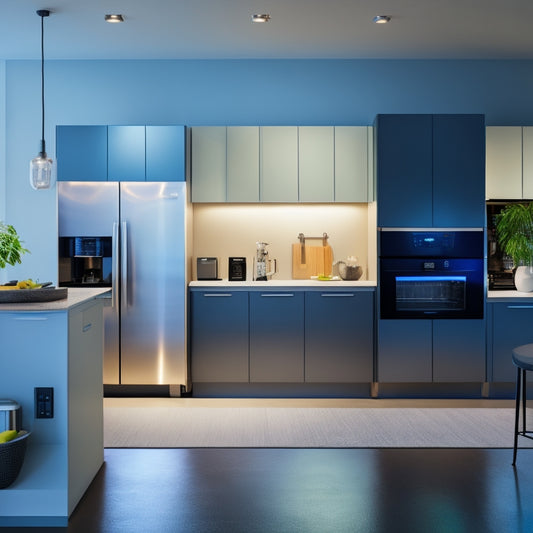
{"type": "Point", "coordinates": [75, 297]}
{"type": "Point", "coordinates": [277, 284]}
{"type": "Point", "coordinates": [509, 296]}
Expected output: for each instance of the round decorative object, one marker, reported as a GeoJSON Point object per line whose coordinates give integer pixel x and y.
{"type": "Point", "coordinates": [349, 272]}
{"type": "Point", "coordinates": [523, 279]}
{"type": "Point", "coordinates": [26, 296]}
{"type": "Point", "coordinates": [11, 458]}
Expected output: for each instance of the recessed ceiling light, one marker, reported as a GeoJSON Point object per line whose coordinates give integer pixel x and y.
{"type": "Point", "coordinates": [114, 18]}
{"type": "Point", "coordinates": [265, 17]}
{"type": "Point", "coordinates": [381, 19]}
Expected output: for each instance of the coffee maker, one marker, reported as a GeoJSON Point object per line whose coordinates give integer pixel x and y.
{"type": "Point", "coordinates": [262, 263]}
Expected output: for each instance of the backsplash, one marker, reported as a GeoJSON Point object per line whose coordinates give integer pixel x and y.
{"type": "Point", "coordinates": [228, 230]}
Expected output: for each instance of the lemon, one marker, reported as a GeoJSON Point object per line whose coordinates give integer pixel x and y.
{"type": "Point", "coordinates": [28, 284]}
{"type": "Point", "coordinates": [8, 435]}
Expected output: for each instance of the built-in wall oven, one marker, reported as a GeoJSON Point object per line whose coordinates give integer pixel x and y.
{"type": "Point", "coordinates": [431, 273]}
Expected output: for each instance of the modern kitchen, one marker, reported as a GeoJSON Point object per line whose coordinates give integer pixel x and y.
{"type": "Point", "coordinates": [279, 229]}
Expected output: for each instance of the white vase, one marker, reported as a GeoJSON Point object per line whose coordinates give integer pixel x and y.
{"type": "Point", "coordinates": [523, 279]}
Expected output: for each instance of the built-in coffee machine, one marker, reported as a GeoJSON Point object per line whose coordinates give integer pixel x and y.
{"type": "Point", "coordinates": [85, 261]}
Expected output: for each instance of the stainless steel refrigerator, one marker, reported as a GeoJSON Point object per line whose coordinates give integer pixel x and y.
{"type": "Point", "coordinates": [145, 321]}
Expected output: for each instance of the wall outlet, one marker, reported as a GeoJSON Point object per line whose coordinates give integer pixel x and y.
{"type": "Point", "coordinates": [44, 402]}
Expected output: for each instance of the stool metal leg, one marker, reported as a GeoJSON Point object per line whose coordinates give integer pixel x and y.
{"type": "Point", "coordinates": [517, 412]}
{"type": "Point", "coordinates": [524, 400]}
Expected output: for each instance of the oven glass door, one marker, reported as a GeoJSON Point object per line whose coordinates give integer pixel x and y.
{"type": "Point", "coordinates": [431, 294]}
{"type": "Point", "coordinates": [411, 288]}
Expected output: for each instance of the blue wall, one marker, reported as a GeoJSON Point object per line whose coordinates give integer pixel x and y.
{"type": "Point", "coordinates": [239, 92]}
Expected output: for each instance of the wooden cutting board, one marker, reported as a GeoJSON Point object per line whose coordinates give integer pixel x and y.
{"type": "Point", "coordinates": [318, 260]}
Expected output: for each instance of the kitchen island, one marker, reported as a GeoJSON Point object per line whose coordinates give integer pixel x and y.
{"type": "Point", "coordinates": [55, 344]}
{"type": "Point", "coordinates": [282, 338]}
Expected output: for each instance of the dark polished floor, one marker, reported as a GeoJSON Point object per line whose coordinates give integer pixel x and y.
{"type": "Point", "coordinates": [307, 491]}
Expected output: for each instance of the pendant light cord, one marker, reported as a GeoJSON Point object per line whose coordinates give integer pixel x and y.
{"type": "Point", "coordinates": [43, 149]}
{"type": "Point", "coordinates": [42, 13]}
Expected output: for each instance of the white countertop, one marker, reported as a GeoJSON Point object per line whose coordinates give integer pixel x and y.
{"type": "Point", "coordinates": [282, 283]}
{"type": "Point", "coordinates": [504, 296]}
{"type": "Point", "coordinates": [76, 296]}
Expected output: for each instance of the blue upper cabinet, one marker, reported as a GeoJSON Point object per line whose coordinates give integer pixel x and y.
{"type": "Point", "coordinates": [459, 170]}
{"type": "Point", "coordinates": [81, 153]}
{"type": "Point", "coordinates": [120, 153]}
{"type": "Point", "coordinates": [165, 153]}
{"type": "Point", "coordinates": [126, 153]}
{"type": "Point", "coordinates": [430, 170]}
{"type": "Point", "coordinates": [404, 170]}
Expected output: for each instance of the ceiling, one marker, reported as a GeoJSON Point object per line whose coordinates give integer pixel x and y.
{"type": "Point", "coordinates": [222, 29]}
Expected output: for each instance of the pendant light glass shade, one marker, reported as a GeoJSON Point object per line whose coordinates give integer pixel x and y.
{"type": "Point", "coordinates": [41, 167]}
{"type": "Point", "coordinates": [41, 175]}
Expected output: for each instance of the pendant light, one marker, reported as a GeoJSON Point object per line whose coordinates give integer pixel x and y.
{"type": "Point", "coordinates": [41, 176]}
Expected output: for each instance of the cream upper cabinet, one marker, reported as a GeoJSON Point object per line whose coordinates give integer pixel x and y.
{"type": "Point", "coordinates": [353, 164]}
{"type": "Point", "coordinates": [509, 170]}
{"type": "Point", "coordinates": [286, 164]}
{"type": "Point", "coordinates": [208, 164]}
{"type": "Point", "coordinates": [527, 162]}
{"type": "Point", "coordinates": [316, 172]}
{"type": "Point", "coordinates": [242, 166]}
{"type": "Point", "coordinates": [279, 163]}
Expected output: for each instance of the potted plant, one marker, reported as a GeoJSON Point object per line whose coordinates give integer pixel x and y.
{"type": "Point", "coordinates": [514, 226]}
{"type": "Point", "coordinates": [11, 248]}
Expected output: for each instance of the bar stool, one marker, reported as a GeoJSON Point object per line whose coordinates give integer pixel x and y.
{"type": "Point", "coordinates": [523, 360]}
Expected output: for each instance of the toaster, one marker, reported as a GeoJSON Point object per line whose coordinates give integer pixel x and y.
{"type": "Point", "coordinates": [206, 268]}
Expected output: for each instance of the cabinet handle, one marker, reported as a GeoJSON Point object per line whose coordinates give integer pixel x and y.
{"type": "Point", "coordinates": [277, 295]}
{"type": "Point", "coordinates": [217, 295]}
{"type": "Point", "coordinates": [87, 327]}
{"type": "Point", "coordinates": [338, 295]}
{"type": "Point", "coordinates": [520, 307]}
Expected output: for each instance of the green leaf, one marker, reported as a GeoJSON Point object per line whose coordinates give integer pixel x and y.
{"type": "Point", "coordinates": [11, 249]}
{"type": "Point", "coordinates": [514, 227]}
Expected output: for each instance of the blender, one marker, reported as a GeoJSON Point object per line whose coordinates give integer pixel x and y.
{"type": "Point", "coordinates": [262, 263]}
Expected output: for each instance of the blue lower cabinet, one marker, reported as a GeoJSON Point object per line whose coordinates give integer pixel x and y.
{"type": "Point", "coordinates": [81, 153]}
{"type": "Point", "coordinates": [404, 351]}
{"type": "Point", "coordinates": [428, 351]}
{"type": "Point", "coordinates": [459, 351]}
{"type": "Point", "coordinates": [339, 337]}
{"type": "Point", "coordinates": [512, 326]}
{"type": "Point", "coordinates": [219, 336]}
{"type": "Point", "coordinates": [277, 336]}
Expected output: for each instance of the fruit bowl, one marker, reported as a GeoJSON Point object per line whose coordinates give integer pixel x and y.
{"type": "Point", "coordinates": [11, 458]}
{"type": "Point", "coordinates": [48, 294]}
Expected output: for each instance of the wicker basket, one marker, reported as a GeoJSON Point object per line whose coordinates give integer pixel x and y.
{"type": "Point", "coordinates": [11, 459]}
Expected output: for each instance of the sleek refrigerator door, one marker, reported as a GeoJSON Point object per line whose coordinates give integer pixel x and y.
{"type": "Point", "coordinates": [87, 209]}
{"type": "Point", "coordinates": [91, 209]}
{"type": "Point", "coordinates": [153, 345]}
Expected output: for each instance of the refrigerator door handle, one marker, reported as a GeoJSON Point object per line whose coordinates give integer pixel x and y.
{"type": "Point", "coordinates": [114, 268]}
{"type": "Point", "coordinates": [124, 265]}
